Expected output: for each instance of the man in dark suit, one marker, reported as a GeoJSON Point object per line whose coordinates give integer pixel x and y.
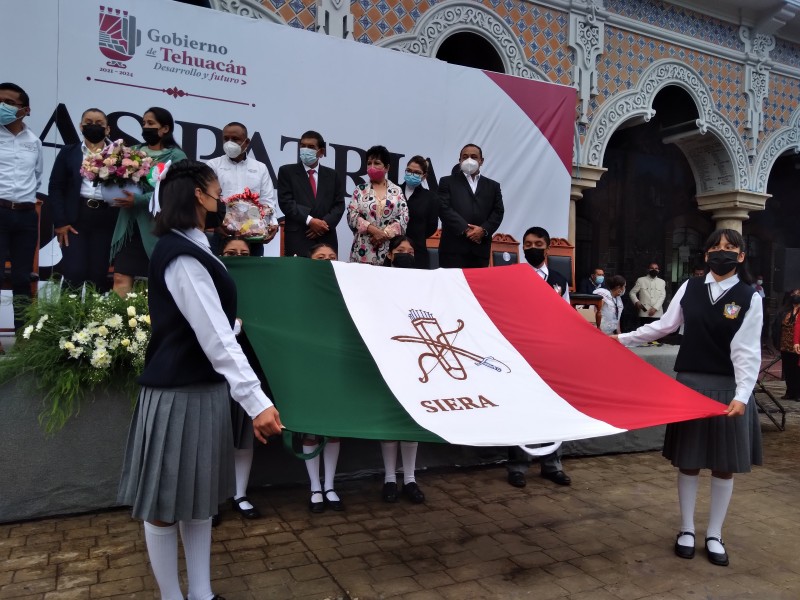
{"type": "Point", "coordinates": [471, 210]}
{"type": "Point", "coordinates": [423, 209]}
{"type": "Point", "coordinates": [592, 282]}
{"type": "Point", "coordinates": [83, 222]}
{"type": "Point", "coordinates": [311, 197]}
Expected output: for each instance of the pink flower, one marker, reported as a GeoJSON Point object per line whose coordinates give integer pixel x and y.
{"type": "Point", "coordinates": [122, 172]}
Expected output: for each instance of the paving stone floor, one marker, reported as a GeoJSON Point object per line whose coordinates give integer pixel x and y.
{"type": "Point", "coordinates": [607, 537]}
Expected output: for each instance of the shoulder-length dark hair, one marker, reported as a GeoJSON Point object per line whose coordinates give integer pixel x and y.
{"type": "Point", "coordinates": [164, 118]}
{"type": "Point", "coordinates": [177, 198]}
{"type": "Point", "coordinates": [735, 238]}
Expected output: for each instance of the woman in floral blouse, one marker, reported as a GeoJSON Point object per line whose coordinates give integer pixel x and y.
{"type": "Point", "coordinates": [377, 212]}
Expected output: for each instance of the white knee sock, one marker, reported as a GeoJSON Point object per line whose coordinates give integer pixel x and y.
{"type": "Point", "coordinates": [196, 536]}
{"type": "Point", "coordinates": [408, 451]}
{"type": "Point", "coordinates": [389, 451]}
{"type": "Point", "coordinates": [330, 456]}
{"type": "Point", "coordinates": [162, 548]}
{"type": "Point", "coordinates": [721, 492]}
{"type": "Point", "coordinates": [687, 497]}
{"type": "Point", "coordinates": [312, 466]}
{"type": "Point", "coordinates": [242, 461]}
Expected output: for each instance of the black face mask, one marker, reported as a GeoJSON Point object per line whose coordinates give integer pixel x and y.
{"type": "Point", "coordinates": [534, 256]}
{"type": "Point", "coordinates": [795, 299]}
{"type": "Point", "coordinates": [94, 133]}
{"type": "Point", "coordinates": [653, 273]}
{"type": "Point", "coordinates": [150, 136]}
{"type": "Point", "coordinates": [722, 262]}
{"type": "Point", "coordinates": [403, 261]}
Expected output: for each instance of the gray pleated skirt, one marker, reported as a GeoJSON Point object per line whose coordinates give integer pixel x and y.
{"type": "Point", "coordinates": [179, 457]}
{"type": "Point", "coordinates": [243, 436]}
{"type": "Point", "coordinates": [726, 444]}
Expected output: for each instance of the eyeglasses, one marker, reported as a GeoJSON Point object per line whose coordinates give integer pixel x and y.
{"type": "Point", "coordinates": [412, 172]}
{"type": "Point", "coordinates": [236, 253]}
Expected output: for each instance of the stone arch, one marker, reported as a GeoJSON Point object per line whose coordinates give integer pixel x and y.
{"type": "Point", "coordinates": [455, 16]}
{"type": "Point", "coordinates": [248, 8]}
{"type": "Point", "coordinates": [777, 143]}
{"type": "Point", "coordinates": [718, 162]}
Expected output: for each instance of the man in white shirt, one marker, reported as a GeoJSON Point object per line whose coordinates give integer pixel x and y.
{"type": "Point", "coordinates": [648, 295]}
{"type": "Point", "coordinates": [20, 177]}
{"type": "Point", "coordinates": [236, 171]}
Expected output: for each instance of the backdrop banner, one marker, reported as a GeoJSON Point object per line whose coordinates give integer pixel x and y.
{"type": "Point", "coordinates": [209, 68]}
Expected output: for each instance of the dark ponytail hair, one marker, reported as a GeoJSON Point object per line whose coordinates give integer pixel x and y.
{"type": "Point", "coordinates": [176, 195]}
{"type": "Point", "coordinates": [164, 118]}
{"type": "Point", "coordinates": [735, 238]}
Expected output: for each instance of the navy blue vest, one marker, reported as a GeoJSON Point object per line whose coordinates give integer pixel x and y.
{"type": "Point", "coordinates": [709, 327]}
{"type": "Point", "coordinates": [554, 278]}
{"type": "Point", "coordinates": [174, 356]}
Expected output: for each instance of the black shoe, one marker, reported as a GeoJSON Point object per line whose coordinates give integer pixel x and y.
{"type": "Point", "coordinates": [247, 513]}
{"type": "Point", "coordinates": [316, 507]}
{"type": "Point", "coordinates": [215, 520]}
{"type": "Point", "coordinates": [517, 479]}
{"type": "Point", "coordinates": [390, 491]}
{"type": "Point", "coordinates": [332, 504]}
{"type": "Point", "coordinates": [717, 558]}
{"type": "Point", "coordinates": [684, 551]}
{"type": "Point", "coordinates": [413, 493]}
{"type": "Point", "coordinates": [558, 477]}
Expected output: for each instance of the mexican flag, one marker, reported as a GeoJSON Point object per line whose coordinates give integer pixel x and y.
{"type": "Point", "coordinates": [481, 357]}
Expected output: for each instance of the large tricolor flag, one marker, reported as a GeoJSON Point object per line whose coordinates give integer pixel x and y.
{"type": "Point", "coordinates": [481, 357]}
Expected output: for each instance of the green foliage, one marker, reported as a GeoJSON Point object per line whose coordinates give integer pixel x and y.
{"type": "Point", "coordinates": [75, 344]}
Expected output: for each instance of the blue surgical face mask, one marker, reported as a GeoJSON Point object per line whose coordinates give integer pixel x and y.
{"type": "Point", "coordinates": [308, 156]}
{"type": "Point", "coordinates": [599, 279]}
{"type": "Point", "coordinates": [413, 179]}
{"type": "Point", "coordinates": [8, 113]}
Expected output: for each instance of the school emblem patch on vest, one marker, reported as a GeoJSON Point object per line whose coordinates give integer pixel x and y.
{"type": "Point", "coordinates": [732, 310]}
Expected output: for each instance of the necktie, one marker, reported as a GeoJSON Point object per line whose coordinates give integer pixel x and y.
{"type": "Point", "coordinates": [313, 182]}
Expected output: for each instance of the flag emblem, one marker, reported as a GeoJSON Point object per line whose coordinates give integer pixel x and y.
{"type": "Point", "coordinates": [441, 349]}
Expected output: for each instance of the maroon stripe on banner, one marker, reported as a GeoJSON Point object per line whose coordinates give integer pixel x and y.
{"type": "Point", "coordinates": [551, 108]}
{"type": "Point", "coordinates": [597, 375]}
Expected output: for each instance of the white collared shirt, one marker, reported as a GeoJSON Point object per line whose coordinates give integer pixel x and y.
{"type": "Point", "coordinates": [196, 297]}
{"type": "Point", "coordinates": [472, 180]}
{"type": "Point", "coordinates": [544, 273]}
{"type": "Point", "coordinates": [315, 175]}
{"type": "Point", "coordinates": [745, 345]}
{"type": "Point", "coordinates": [20, 165]}
{"type": "Point", "coordinates": [247, 173]}
{"type": "Point", "coordinates": [88, 189]}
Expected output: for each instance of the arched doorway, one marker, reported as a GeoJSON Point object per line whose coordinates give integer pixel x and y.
{"type": "Point", "coordinates": [769, 233]}
{"type": "Point", "coordinates": [644, 207]}
{"type": "Point", "coordinates": [470, 50]}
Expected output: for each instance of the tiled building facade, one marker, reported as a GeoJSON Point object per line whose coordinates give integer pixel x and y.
{"type": "Point", "coordinates": [619, 54]}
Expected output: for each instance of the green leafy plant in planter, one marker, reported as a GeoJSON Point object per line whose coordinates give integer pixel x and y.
{"type": "Point", "coordinates": [74, 344]}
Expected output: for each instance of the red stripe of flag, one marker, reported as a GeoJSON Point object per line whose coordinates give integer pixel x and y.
{"type": "Point", "coordinates": [596, 375]}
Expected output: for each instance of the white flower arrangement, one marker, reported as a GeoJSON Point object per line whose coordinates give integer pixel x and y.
{"type": "Point", "coordinates": [73, 343]}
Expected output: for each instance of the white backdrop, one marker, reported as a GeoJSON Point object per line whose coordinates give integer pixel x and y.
{"type": "Point", "coordinates": [209, 68]}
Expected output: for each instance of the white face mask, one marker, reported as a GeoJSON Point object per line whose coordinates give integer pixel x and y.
{"type": "Point", "coordinates": [760, 282]}
{"type": "Point", "coordinates": [469, 166]}
{"type": "Point", "coordinates": [231, 149]}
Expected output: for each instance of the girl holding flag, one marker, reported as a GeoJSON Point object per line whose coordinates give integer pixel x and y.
{"type": "Point", "coordinates": [720, 357]}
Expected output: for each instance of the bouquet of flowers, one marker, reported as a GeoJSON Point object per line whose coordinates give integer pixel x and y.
{"type": "Point", "coordinates": [74, 343]}
{"type": "Point", "coordinates": [117, 164]}
{"type": "Point", "coordinates": [245, 216]}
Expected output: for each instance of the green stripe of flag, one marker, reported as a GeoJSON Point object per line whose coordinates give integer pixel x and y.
{"type": "Point", "coordinates": [323, 378]}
